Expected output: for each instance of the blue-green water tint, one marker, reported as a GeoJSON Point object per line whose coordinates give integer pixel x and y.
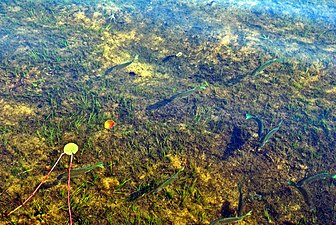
{"type": "Point", "coordinates": [290, 39]}
{"type": "Point", "coordinates": [54, 89]}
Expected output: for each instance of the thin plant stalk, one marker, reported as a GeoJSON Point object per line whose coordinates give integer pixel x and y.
{"type": "Point", "coordinates": [69, 173]}
{"type": "Point", "coordinates": [42, 182]}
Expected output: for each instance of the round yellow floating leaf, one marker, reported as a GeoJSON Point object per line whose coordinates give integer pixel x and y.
{"type": "Point", "coordinates": [70, 148]}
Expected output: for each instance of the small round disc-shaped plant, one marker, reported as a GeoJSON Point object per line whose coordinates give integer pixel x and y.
{"type": "Point", "coordinates": [70, 148]}
{"type": "Point", "coordinates": [109, 124]}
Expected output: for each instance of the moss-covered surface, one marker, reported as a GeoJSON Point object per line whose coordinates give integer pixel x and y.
{"type": "Point", "coordinates": [54, 90]}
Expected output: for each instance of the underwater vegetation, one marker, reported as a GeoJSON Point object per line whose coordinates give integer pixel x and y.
{"type": "Point", "coordinates": [69, 149]}
{"type": "Point", "coordinates": [175, 77]}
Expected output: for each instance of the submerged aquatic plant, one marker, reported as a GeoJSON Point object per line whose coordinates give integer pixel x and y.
{"type": "Point", "coordinates": [263, 138]}
{"type": "Point", "coordinates": [69, 149]}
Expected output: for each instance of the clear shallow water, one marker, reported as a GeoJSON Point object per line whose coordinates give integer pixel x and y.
{"type": "Point", "coordinates": [66, 67]}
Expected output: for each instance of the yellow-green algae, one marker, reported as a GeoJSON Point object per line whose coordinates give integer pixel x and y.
{"type": "Point", "coordinates": [12, 112]}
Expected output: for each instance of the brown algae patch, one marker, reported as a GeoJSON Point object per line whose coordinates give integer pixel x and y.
{"type": "Point", "coordinates": [109, 184]}
{"type": "Point", "coordinates": [113, 45]}
{"type": "Point", "coordinates": [143, 70]}
{"type": "Point", "coordinates": [176, 161]}
{"type": "Point", "coordinates": [331, 91]}
{"type": "Point", "coordinates": [180, 217]}
{"type": "Point", "coordinates": [29, 146]}
{"type": "Point", "coordinates": [12, 112]}
{"type": "Point", "coordinates": [95, 23]}
{"type": "Point", "coordinates": [220, 185]}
